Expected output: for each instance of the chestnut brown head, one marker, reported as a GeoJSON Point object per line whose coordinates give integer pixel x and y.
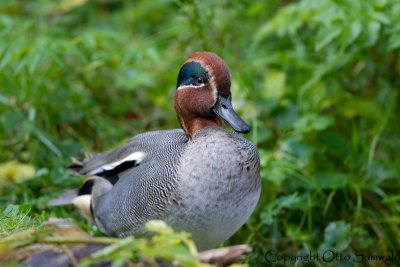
{"type": "Point", "coordinates": [203, 94]}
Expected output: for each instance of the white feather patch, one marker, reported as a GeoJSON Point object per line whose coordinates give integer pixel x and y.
{"type": "Point", "coordinates": [189, 86]}
{"type": "Point", "coordinates": [83, 204]}
{"type": "Point", "coordinates": [136, 156]}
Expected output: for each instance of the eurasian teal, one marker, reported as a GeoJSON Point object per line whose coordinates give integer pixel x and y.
{"type": "Point", "coordinates": [201, 179]}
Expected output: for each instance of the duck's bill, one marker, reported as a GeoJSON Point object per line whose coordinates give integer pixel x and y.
{"type": "Point", "coordinates": [224, 110]}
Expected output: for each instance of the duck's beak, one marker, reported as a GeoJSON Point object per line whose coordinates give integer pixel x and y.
{"type": "Point", "coordinates": [223, 108]}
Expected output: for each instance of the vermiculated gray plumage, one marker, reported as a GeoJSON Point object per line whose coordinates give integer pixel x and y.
{"type": "Point", "coordinates": [207, 186]}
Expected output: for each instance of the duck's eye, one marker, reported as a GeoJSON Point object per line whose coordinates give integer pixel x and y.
{"type": "Point", "coordinates": [200, 80]}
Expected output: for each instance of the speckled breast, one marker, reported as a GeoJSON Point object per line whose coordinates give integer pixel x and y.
{"type": "Point", "coordinates": [219, 185]}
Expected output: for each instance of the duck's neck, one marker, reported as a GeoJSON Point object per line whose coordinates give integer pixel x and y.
{"type": "Point", "coordinates": [193, 125]}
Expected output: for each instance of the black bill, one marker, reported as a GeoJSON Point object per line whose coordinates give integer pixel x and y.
{"type": "Point", "coordinates": [224, 110]}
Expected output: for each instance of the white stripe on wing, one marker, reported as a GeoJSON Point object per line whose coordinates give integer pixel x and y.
{"type": "Point", "coordinates": [137, 156]}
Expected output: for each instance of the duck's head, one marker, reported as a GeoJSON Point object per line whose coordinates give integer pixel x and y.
{"type": "Point", "coordinates": [203, 94]}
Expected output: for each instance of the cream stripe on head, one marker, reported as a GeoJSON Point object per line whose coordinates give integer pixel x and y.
{"type": "Point", "coordinates": [213, 86]}
{"type": "Point", "coordinates": [189, 86]}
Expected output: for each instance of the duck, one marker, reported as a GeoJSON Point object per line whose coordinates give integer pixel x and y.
{"type": "Point", "coordinates": [202, 178]}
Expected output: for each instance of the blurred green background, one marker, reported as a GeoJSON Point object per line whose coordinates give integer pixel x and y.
{"type": "Point", "coordinates": [318, 80]}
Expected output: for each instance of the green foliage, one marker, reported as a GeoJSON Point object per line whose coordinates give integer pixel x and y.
{"type": "Point", "coordinates": [318, 80]}
{"type": "Point", "coordinates": [18, 218]}
{"type": "Point", "coordinates": [165, 245]}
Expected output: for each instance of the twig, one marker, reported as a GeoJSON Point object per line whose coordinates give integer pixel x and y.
{"type": "Point", "coordinates": [70, 255]}
{"type": "Point", "coordinates": [77, 240]}
{"type": "Point", "coordinates": [225, 256]}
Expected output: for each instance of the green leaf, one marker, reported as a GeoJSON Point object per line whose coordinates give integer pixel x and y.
{"type": "Point", "coordinates": [326, 36]}
{"type": "Point", "coordinates": [337, 237]}
{"type": "Point", "coordinates": [47, 142]}
{"type": "Point", "coordinates": [394, 41]}
{"type": "Point", "coordinates": [331, 180]}
{"type": "Point", "coordinates": [381, 17]}
{"type": "Point", "coordinates": [373, 29]}
{"type": "Point", "coordinates": [283, 23]}
{"type": "Point", "coordinates": [297, 151]}
{"type": "Point", "coordinates": [366, 108]}
{"type": "Point", "coordinates": [16, 172]}
{"type": "Point", "coordinates": [291, 201]}
{"type": "Point", "coordinates": [312, 122]}
{"type": "Point", "coordinates": [355, 31]}
{"type": "Point", "coordinates": [274, 85]}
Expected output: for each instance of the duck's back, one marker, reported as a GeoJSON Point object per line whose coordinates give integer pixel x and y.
{"type": "Point", "coordinates": [146, 190]}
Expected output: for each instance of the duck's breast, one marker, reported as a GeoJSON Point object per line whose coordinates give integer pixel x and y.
{"type": "Point", "coordinates": [219, 185]}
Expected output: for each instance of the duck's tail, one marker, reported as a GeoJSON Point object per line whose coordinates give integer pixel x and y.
{"type": "Point", "coordinates": [79, 162]}
{"type": "Point", "coordinates": [65, 198]}
{"type": "Point", "coordinates": [85, 197]}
